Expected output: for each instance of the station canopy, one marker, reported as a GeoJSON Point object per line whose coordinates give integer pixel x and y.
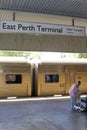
{"type": "Point", "coordinates": [72, 8]}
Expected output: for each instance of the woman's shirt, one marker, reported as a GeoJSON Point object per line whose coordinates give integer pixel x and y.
{"type": "Point", "coordinates": [73, 90]}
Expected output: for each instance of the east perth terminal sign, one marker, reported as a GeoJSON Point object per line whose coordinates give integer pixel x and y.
{"type": "Point", "coordinates": [37, 28]}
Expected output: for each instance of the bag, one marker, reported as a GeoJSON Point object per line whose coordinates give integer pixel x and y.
{"type": "Point", "coordinates": [80, 108]}
{"type": "Point", "coordinates": [77, 95]}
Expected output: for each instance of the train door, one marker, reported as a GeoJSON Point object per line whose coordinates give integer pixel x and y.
{"type": "Point", "coordinates": [62, 87]}
{"type": "Point", "coordinates": [82, 76]}
{"type": "Point", "coordinates": [70, 73]}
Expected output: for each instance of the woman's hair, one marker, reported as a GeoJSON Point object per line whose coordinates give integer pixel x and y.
{"type": "Point", "coordinates": [79, 82]}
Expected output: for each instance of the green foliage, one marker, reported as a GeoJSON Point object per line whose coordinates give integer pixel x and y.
{"type": "Point", "coordinates": [15, 53]}
{"type": "Point", "coordinates": [26, 54]}
{"type": "Point", "coordinates": [74, 55]}
{"type": "Point", "coordinates": [69, 55]}
{"type": "Point", "coordinates": [82, 55]}
{"type": "Point", "coordinates": [32, 55]}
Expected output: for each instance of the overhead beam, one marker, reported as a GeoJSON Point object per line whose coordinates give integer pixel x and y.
{"type": "Point", "coordinates": [50, 43]}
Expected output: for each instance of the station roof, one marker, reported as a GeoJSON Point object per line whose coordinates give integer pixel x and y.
{"type": "Point", "coordinates": [72, 8]}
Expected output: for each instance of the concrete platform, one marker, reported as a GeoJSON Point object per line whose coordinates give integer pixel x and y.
{"type": "Point", "coordinates": [40, 114]}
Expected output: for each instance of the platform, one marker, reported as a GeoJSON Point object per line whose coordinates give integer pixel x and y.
{"type": "Point", "coordinates": [51, 113]}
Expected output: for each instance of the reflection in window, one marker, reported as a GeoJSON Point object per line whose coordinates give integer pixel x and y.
{"type": "Point", "coordinates": [13, 79]}
{"type": "Point", "coordinates": [51, 78]}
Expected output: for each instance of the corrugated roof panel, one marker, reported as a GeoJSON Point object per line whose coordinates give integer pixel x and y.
{"type": "Point", "coordinates": [73, 8]}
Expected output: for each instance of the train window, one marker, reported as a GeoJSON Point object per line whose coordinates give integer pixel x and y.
{"type": "Point", "coordinates": [51, 78]}
{"type": "Point", "coordinates": [13, 79]}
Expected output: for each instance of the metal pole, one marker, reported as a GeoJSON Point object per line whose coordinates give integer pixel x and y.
{"type": "Point", "coordinates": [13, 16]}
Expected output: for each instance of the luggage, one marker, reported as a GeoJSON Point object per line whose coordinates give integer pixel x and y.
{"type": "Point", "coordinates": [80, 108]}
{"type": "Point", "coordinates": [81, 105]}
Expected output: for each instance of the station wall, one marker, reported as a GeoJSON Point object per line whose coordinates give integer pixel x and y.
{"type": "Point", "coordinates": [55, 43]}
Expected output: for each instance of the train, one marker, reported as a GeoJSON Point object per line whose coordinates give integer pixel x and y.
{"type": "Point", "coordinates": [20, 77]}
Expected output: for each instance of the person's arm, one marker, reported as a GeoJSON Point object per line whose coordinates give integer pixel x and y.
{"type": "Point", "coordinates": [75, 90]}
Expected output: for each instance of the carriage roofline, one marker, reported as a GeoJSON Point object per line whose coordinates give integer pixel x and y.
{"type": "Point", "coordinates": [14, 60]}
{"type": "Point", "coordinates": [58, 61]}
{"type": "Point", "coordinates": [66, 61]}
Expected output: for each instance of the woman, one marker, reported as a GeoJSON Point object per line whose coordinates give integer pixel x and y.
{"type": "Point", "coordinates": [73, 92]}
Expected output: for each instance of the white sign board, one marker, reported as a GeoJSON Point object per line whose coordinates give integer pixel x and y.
{"type": "Point", "coordinates": [37, 28]}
